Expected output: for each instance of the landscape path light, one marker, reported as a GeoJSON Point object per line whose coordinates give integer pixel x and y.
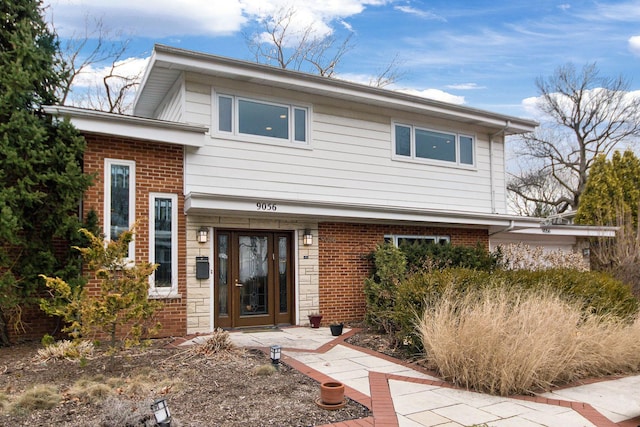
{"type": "Point", "coordinates": [276, 352]}
{"type": "Point", "coordinates": [161, 413]}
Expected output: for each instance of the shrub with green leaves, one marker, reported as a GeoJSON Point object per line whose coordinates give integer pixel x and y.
{"type": "Point", "coordinates": [438, 256]}
{"type": "Point", "coordinates": [380, 290]}
{"type": "Point", "coordinates": [120, 305]}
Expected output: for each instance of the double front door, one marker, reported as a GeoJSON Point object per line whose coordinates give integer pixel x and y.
{"type": "Point", "coordinates": [253, 278]}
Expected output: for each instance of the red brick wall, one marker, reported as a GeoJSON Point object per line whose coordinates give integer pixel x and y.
{"type": "Point", "coordinates": [159, 168]}
{"type": "Point", "coordinates": [343, 252]}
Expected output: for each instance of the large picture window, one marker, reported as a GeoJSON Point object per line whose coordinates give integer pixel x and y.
{"type": "Point", "coordinates": [119, 198]}
{"type": "Point", "coordinates": [275, 121]}
{"type": "Point", "coordinates": [418, 143]}
{"type": "Point", "coordinates": [163, 248]}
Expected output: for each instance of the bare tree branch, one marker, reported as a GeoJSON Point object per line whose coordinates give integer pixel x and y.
{"type": "Point", "coordinates": [389, 75]}
{"type": "Point", "coordinates": [589, 115]}
{"type": "Point", "coordinates": [279, 43]}
{"type": "Point", "coordinates": [82, 54]}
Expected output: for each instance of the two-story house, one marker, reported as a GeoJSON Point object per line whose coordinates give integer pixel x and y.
{"type": "Point", "coordinates": [260, 192]}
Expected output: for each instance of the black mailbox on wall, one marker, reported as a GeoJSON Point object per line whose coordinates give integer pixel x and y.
{"type": "Point", "coordinates": [202, 267]}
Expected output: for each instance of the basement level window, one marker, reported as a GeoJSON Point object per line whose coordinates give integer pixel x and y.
{"type": "Point", "coordinates": [399, 240]}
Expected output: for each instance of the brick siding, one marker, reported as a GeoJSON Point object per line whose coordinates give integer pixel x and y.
{"type": "Point", "coordinates": [159, 169]}
{"type": "Point", "coordinates": [344, 263]}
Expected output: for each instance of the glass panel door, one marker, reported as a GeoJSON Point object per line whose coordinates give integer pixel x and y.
{"type": "Point", "coordinates": [252, 280]}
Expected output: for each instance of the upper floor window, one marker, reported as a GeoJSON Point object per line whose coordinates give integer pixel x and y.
{"type": "Point", "coordinates": [418, 143]}
{"type": "Point", "coordinates": [119, 198]}
{"type": "Point", "coordinates": [244, 116]}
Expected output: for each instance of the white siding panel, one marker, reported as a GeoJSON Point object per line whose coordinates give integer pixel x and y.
{"type": "Point", "coordinates": [349, 159]}
{"type": "Point", "coordinates": [198, 103]}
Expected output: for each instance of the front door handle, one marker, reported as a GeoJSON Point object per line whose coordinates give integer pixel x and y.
{"type": "Point", "coordinates": [238, 284]}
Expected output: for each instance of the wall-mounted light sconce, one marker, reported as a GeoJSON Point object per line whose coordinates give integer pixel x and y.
{"type": "Point", "coordinates": [203, 235]}
{"type": "Point", "coordinates": [307, 238]}
{"type": "Point", "coordinates": [586, 252]}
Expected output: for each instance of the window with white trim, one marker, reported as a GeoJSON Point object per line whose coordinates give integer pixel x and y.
{"type": "Point", "coordinates": [119, 199]}
{"type": "Point", "coordinates": [419, 143]}
{"type": "Point", "coordinates": [275, 121]}
{"type": "Point", "coordinates": [398, 240]}
{"type": "Point", "coordinates": [163, 242]}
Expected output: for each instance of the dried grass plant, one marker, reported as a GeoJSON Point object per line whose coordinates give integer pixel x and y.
{"type": "Point", "coordinates": [509, 341]}
{"type": "Point", "coordinates": [39, 397]}
{"type": "Point", "coordinates": [70, 350]}
{"type": "Point", "coordinates": [218, 344]}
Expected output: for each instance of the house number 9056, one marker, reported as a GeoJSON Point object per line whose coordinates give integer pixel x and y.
{"type": "Point", "coordinates": [263, 206]}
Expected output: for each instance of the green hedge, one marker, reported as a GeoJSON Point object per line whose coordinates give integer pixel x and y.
{"type": "Point", "coordinates": [437, 256]}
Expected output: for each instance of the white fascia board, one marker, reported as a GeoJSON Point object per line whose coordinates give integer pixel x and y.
{"type": "Point", "coordinates": [197, 203]}
{"type": "Point", "coordinates": [568, 230]}
{"type": "Point", "coordinates": [185, 60]}
{"type": "Point", "coordinates": [99, 122]}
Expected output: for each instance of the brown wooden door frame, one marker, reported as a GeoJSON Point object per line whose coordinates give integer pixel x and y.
{"type": "Point", "coordinates": [275, 315]}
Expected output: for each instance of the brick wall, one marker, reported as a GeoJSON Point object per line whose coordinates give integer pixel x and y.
{"type": "Point", "coordinates": [343, 251]}
{"type": "Point", "coordinates": [159, 168]}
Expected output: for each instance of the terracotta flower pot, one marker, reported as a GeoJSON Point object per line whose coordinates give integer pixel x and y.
{"type": "Point", "coordinates": [332, 393]}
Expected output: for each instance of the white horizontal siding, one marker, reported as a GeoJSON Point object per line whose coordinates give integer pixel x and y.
{"type": "Point", "coordinates": [198, 103]}
{"type": "Point", "coordinates": [349, 160]}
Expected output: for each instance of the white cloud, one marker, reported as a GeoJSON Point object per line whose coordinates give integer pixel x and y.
{"type": "Point", "coordinates": [128, 68]}
{"type": "Point", "coordinates": [465, 86]}
{"type": "Point", "coordinates": [436, 94]}
{"type": "Point", "coordinates": [150, 18]}
{"type": "Point", "coordinates": [564, 6]}
{"type": "Point", "coordinates": [530, 105]}
{"type": "Point", "coordinates": [420, 13]}
{"type": "Point", "coordinates": [634, 45]}
{"type": "Point", "coordinates": [165, 18]}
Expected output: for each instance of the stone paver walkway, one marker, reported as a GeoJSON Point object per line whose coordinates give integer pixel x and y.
{"type": "Point", "coordinates": [403, 395]}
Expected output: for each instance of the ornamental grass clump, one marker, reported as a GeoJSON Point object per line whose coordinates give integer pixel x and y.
{"type": "Point", "coordinates": [506, 341]}
{"type": "Point", "coordinates": [65, 349]}
{"type": "Point", "coordinates": [218, 344]}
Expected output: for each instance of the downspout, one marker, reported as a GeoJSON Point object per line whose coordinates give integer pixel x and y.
{"type": "Point", "coordinates": [512, 225]}
{"type": "Point", "coordinates": [491, 173]}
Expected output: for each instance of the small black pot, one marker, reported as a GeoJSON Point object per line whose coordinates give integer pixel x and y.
{"type": "Point", "coordinates": [336, 330]}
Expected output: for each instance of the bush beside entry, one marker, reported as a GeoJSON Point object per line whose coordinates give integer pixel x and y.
{"type": "Point", "coordinates": [416, 305]}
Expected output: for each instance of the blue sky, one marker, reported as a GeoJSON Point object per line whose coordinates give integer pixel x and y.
{"type": "Point", "coordinates": [483, 54]}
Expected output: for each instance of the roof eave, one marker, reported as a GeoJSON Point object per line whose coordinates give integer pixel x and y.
{"type": "Point", "coordinates": [178, 60]}
{"type": "Point", "coordinates": [100, 122]}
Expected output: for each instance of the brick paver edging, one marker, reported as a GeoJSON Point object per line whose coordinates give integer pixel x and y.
{"type": "Point", "coordinates": [381, 403]}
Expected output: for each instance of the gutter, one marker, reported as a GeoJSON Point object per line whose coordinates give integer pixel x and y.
{"type": "Point", "coordinates": [491, 182]}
